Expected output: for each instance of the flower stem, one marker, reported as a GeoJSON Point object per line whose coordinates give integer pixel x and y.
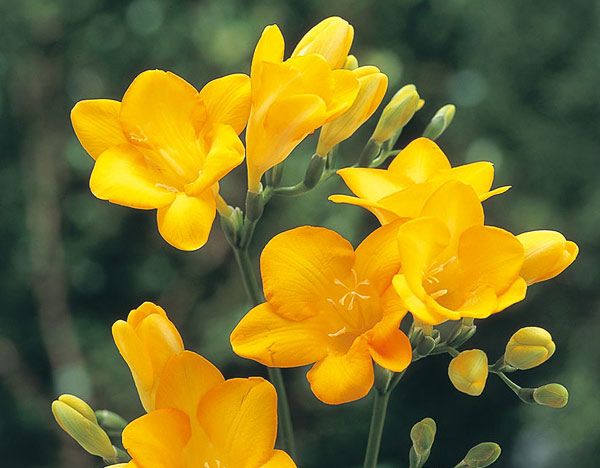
{"type": "Point", "coordinates": [380, 403]}
{"type": "Point", "coordinates": [286, 431]}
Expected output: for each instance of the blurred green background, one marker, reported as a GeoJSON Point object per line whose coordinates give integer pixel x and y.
{"type": "Point", "coordinates": [525, 78]}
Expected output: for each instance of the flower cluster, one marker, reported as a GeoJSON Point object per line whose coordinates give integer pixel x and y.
{"type": "Point", "coordinates": [360, 316]}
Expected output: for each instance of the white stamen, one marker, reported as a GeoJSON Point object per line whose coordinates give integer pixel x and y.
{"type": "Point", "coordinates": [341, 331]}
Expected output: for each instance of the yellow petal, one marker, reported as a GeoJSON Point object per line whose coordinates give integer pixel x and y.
{"type": "Point", "coordinates": [280, 459]}
{"type": "Point", "coordinates": [240, 418]}
{"type": "Point", "coordinates": [378, 256]}
{"type": "Point", "coordinates": [226, 152]}
{"type": "Point", "coordinates": [227, 101]}
{"type": "Point", "coordinates": [373, 184]}
{"type": "Point", "coordinates": [185, 379]}
{"type": "Point", "coordinates": [420, 160]}
{"type": "Point", "coordinates": [96, 124]}
{"type": "Point", "coordinates": [270, 48]}
{"type": "Point", "coordinates": [384, 216]}
{"type": "Point", "coordinates": [299, 267]}
{"type": "Point", "coordinates": [147, 308]}
{"type": "Point", "coordinates": [417, 305]}
{"type": "Point", "coordinates": [331, 38]}
{"type": "Point", "coordinates": [161, 339]}
{"type": "Point", "coordinates": [343, 94]}
{"type": "Point", "coordinates": [275, 341]}
{"type": "Point", "coordinates": [515, 293]}
{"type": "Point", "coordinates": [186, 223]}
{"type": "Point", "coordinates": [388, 345]}
{"type": "Point", "coordinates": [156, 113]}
{"type": "Point", "coordinates": [158, 439]}
{"type": "Point", "coordinates": [341, 378]}
{"type": "Point", "coordinates": [478, 175]}
{"type": "Point", "coordinates": [547, 254]}
{"type": "Point", "coordinates": [122, 176]}
{"type": "Point", "coordinates": [409, 203]}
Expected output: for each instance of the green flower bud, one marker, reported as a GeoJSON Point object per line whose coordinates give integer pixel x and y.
{"type": "Point", "coordinates": [422, 435]}
{"type": "Point", "coordinates": [314, 171]}
{"type": "Point", "coordinates": [552, 395]}
{"type": "Point", "coordinates": [468, 372]}
{"type": "Point", "coordinates": [481, 455]}
{"type": "Point", "coordinates": [528, 348]}
{"type": "Point", "coordinates": [110, 421]}
{"type": "Point", "coordinates": [351, 63]}
{"type": "Point", "coordinates": [78, 420]}
{"type": "Point", "coordinates": [402, 107]}
{"type": "Point", "coordinates": [440, 122]}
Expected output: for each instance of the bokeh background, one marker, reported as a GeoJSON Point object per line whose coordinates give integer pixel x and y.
{"type": "Point", "coordinates": [524, 77]}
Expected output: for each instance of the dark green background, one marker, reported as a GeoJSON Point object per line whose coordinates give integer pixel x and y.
{"type": "Point", "coordinates": [525, 78]}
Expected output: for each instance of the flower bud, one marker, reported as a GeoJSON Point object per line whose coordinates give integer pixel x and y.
{"type": "Point", "coordinates": [110, 421]}
{"type": "Point", "coordinates": [422, 435]}
{"type": "Point", "coordinates": [372, 87]}
{"type": "Point", "coordinates": [528, 348]}
{"type": "Point", "coordinates": [314, 171]}
{"type": "Point", "coordinates": [331, 38]}
{"type": "Point", "coordinates": [78, 420]}
{"type": "Point", "coordinates": [552, 395]}
{"type": "Point", "coordinates": [397, 113]}
{"type": "Point", "coordinates": [481, 455]}
{"type": "Point", "coordinates": [547, 254]}
{"type": "Point", "coordinates": [351, 62]}
{"type": "Point", "coordinates": [440, 122]}
{"type": "Point", "coordinates": [468, 371]}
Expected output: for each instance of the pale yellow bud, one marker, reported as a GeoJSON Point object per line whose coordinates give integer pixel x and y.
{"type": "Point", "coordinates": [397, 113]}
{"type": "Point", "coordinates": [78, 420]}
{"type": "Point", "coordinates": [331, 38]}
{"type": "Point", "coordinates": [351, 62]}
{"type": "Point", "coordinates": [372, 87]}
{"type": "Point", "coordinates": [528, 348]}
{"type": "Point", "coordinates": [468, 371]}
{"type": "Point", "coordinates": [552, 395]}
{"type": "Point", "coordinates": [440, 122]}
{"type": "Point", "coordinates": [482, 455]}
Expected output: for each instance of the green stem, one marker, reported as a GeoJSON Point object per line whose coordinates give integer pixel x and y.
{"type": "Point", "coordinates": [380, 403]}
{"type": "Point", "coordinates": [286, 431]}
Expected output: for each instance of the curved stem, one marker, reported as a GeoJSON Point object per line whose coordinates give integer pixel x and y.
{"type": "Point", "coordinates": [286, 431]}
{"type": "Point", "coordinates": [380, 403]}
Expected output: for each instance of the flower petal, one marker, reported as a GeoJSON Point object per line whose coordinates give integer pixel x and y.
{"type": "Point", "coordinates": [96, 124]}
{"type": "Point", "coordinates": [186, 223]}
{"type": "Point", "coordinates": [373, 184]}
{"type": "Point", "coordinates": [185, 379]}
{"type": "Point", "coordinates": [275, 341]}
{"type": "Point", "coordinates": [227, 101]}
{"type": "Point", "coordinates": [515, 293]}
{"type": "Point", "coordinates": [280, 459]}
{"type": "Point", "coordinates": [478, 175]}
{"type": "Point", "coordinates": [270, 48]}
{"type": "Point", "coordinates": [388, 345]}
{"type": "Point", "coordinates": [158, 439]}
{"type": "Point", "coordinates": [418, 305]}
{"type": "Point", "coordinates": [299, 266]}
{"type": "Point", "coordinates": [420, 160]}
{"type": "Point", "coordinates": [382, 215]}
{"type": "Point", "coordinates": [331, 38]}
{"type": "Point", "coordinates": [240, 418]}
{"type": "Point", "coordinates": [122, 176]}
{"type": "Point", "coordinates": [341, 378]}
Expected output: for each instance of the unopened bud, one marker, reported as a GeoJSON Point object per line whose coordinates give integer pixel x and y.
{"type": "Point", "coordinates": [552, 395]}
{"type": "Point", "coordinates": [481, 455]}
{"type": "Point", "coordinates": [397, 113]}
{"type": "Point", "coordinates": [422, 435]}
{"type": "Point", "coordinates": [78, 420]}
{"type": "Point", "coordinates": [440, 122]}
{"type": "Point", "coordinates": [331, 38]}
{"type": "Point", "coordinates": [110, 421]}
{"type": "Point", "coordinates": [528, 348]}
{"type": "Point", "coordinates": [351, 62]}
{"type": "Point", "coordinates": [314, 171]}
{"type": "Point", "coordinates": [468, 372]}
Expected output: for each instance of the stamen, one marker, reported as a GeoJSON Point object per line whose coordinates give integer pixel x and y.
{"type": "Point", "coordinates": [341, 331]}
{"type": "Point", "coordinates": [439, 293]}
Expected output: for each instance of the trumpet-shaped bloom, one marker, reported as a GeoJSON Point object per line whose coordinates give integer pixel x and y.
{"type": "Point", "coordinates": [415, 174]}
{"type": "Point", "coordinates": [547, 254]}
{"type": "Point", "coordinates": [331, 38]}
{"type": "Point", "coordinates": [165, 147]}
{"type": "Point", "coordinates": [452, 265]}
{"type": "Point", "coordinates": [372, 88]}
{"type": "Point", "coordinates": [290, 100]}
{"type": "Point", "coordinates": [147, 340]}
{"type": "Point", "coordinates": [330, 305]}
{"type": "Point", "coordinates": [203, 420]}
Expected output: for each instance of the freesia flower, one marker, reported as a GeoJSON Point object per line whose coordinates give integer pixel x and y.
{"type": "Point", "coordinates": [400, 191]}
{"type": "Point", "coordinates": [165, 147]}
{"type": "Point", "coordinates": [452, 265]}
{"type": "Point", "coordinates": [290, 100]}
{"type": "Point", "coordinates": [331, 38]}
{"type": "Point", "coordinates": [203, 420]}
{"type": "Point", "coordinates": [372, 88]}
{"type": "Point", "coordinates": [329, 305]}
{"type": "Point", "coordinates": [146, 341]}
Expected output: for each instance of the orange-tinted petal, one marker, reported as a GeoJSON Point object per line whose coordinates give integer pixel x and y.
{"type": "Point", "coordinates": [280, 459]}
{"type": "Point", "coordinates": [388, 345]}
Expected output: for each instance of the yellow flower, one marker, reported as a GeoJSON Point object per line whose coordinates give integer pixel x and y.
{"type": "Point", "coordinates": [417, 172]}
{"type": "Point", "coordinates": [468, 371]}
{"type": "Point", "coordinates": [165, 147]}
{"type": "Point", "coordinates": [203, 420]}
{"type": "Point", "coordinates": [373, 85]}
{"type": "Point", "coordinates": [330, 305]}
{"type": "Point", "coordinates": [528, 348]}
{"type": "Point", "coordinates": [547, 254]}
{"type": "Point", "coordinates": [331, 38]}
{"type": "Point", "coordinates": [147, 340]}
{"type": "Point", "coordinates": [290, 100]}
{"type": "Point", "coordinates": [452, 265]}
